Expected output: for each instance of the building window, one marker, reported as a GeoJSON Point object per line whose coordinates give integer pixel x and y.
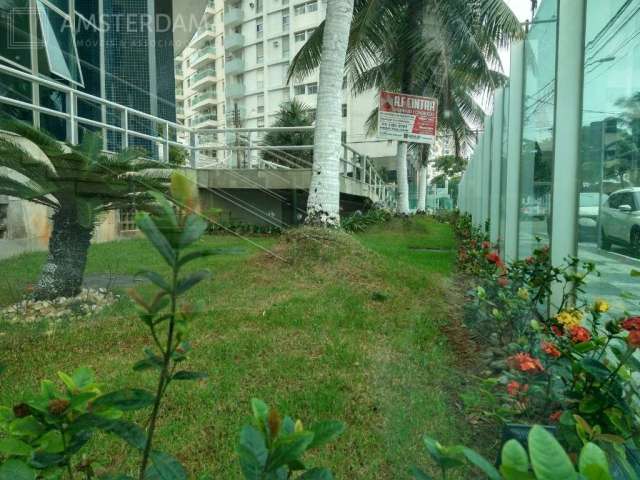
{"type": "Point", "coordinates": [299, 9]}
{"type": "Point", "coordinates": [312, 7]}
{"type": "Point", "coordinates": [259, 53]}
{"type": "Point", "coordinates": [259, 30]}
{"type": "Point", "coordinates": [60, 44]}
{"type": "Point", "coordinates": [300, 89]}
{"type": "Point", "coordinates": [300, 37]}
{"type": "Point", "coordinates": [343, 137]}
{"type": "Point", "coordinates": [344, 110]}
{"type": "Point", "coordinates": [4, 214]}
{"type": "Point", "coordinates": [312, 89]}
{"type": "Point", "coordinates": [261, 122]}
{"type": "Point", "coordinates": [15, 39]}
{"type": "Point", "coordinates": [285, 47]}
{"type": "Point", "coordinates": [128, 220]}
{"type": "Point", "coordinates": [285, 23]}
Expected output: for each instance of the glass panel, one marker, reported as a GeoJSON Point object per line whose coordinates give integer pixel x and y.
{"type": "Point", "coordinates": [63, 4]}
{"type": "Point", "coordinates": [88, 8]}
{"type": "Point", "coordinates": [18, 89]}
{"type": "Point", "coordinates": [537, 135]}
{"type": "Point", "coordinates": [609, 182]}
{"type": "Point", "coordinates": [88, 43]}
{"type": "Point", "coordinates": [55, 100]}
{"type": "Point", "coordinates": [60, 44]}
{"type": "Point", "coordinates": [15, 40]}
{"type": "Point", "coordinates": [503, 169]}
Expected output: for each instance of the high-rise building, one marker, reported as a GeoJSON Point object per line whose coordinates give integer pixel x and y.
{"type": "Point", "coordinates": [119, 50]}
{"type": "Point", "coordinates": [256, 40]}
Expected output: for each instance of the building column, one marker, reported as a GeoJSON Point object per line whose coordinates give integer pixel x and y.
{"type": "Point", "coordinates": [568, 120]}
{"type": "Point", "coordinates": [514, 151]}
{"type": "Point", "coordinates": [476, 193]}
{"type": "Point", "coordinates": [496, 157]}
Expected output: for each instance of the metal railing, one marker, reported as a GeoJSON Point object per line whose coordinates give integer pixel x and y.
{"type": "Point", "coordinates": [129, 124]}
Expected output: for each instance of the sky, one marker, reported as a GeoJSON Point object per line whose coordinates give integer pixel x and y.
{"type": "Point", "coordinates": [522, 9]}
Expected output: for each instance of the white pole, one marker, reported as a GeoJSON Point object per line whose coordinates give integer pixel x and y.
{"type": "Point", "coordinates": [514, 151]}
{"type": "Point", "coordinates": [568, 117]}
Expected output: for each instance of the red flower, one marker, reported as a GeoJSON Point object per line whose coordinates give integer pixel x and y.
{"type": "Point", "coordinates": [631, 323]}
{"type": "Point", "coordinates": [555, 416]}
{"type": "Point", "coordinates": [525, 363]}
{"type": "Point", "coordinates": [530, 260]}
{"type": "Point", "coordinates": [486, 245]}
{"type": "Point", "coordinates": [634, 339]}
{"type": "Point", "coordinates": [493, 257]}
{"type": "Point", "coordinates": [514, 388]}
{"type": "Point", "coordinates": [550, 349]}
{"type": "Point", "coordinates": [556, 330]}
{"type": "Point", "coordinates": [503, 281]}
{"type": "Point", "coordinates": [579, 334]}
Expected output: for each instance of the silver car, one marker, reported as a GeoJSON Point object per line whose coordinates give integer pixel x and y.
{"type": "Point", "coordinates": [620, 219]}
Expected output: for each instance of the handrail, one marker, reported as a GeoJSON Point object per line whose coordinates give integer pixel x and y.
{"type": "Point", "coordinates": [359, 168]}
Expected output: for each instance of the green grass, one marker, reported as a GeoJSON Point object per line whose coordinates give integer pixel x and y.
{"type": "Point", "coordinates": [353, 335]}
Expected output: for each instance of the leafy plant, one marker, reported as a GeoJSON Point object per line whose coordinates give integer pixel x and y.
{"type": "Point", "coordinates": [359, 221]}
{"type": "Point", "coordinates": [43, 434]}
{"type": "Point", "coordinates": [545, 460]}
{"type": "Point", "coordinates": [272, 447]}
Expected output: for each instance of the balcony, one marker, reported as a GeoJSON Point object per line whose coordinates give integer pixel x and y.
{"type": "Point", "coordinates": [205, 99]}
{"type": "Point", "coordinates": [234, 67]}
{"type": "Point", "coordinates": [202, 78]}
{"type": "Point", "coordinates": [234, 90]}
{"type": "Point", "coordinates": [203, 36]}
{"type": "Point", "coordinates": [233, 41]}
{"type": "Point", "coordinates": [205, 120]}
{"type": "Point", "coordinates": [205, 54]}
{"type": "Point", "coordinates": [207, 140]}
{"type": "Point", "coordinates": [233, 17]}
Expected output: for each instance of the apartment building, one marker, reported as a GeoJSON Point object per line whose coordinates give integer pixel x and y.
{"type": "Point", "coordinates": [260, 39]}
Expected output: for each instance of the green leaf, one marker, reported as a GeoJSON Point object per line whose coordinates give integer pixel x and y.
{"type": "Point", "coordinates": [152, 361]}
{"type": "Point", "coordinates": [186, 375]}
{"type": "Point", "coordinates": [325, 432]}
{"type": "Point", "coordinates": [83, 378]}
{"type": "Point", "coordinates": [81, 400]}
{"type": "Point", "coordinates": [42, 460]}
{"type": "Point", "coordinates": [191, 281]}
{"type": "Point", "coordinates": [593, 463]}
{"type": "Point", "coordinates": [129, 432]}
{"type": "Point", "coordinates": [127, 399]}
{"type": "Point", "coordinates": [514, 457]}
{"type": "Point", "coordinates": [164, 467]}
{"type": "Point", "coordinates": [595, 368]}
{"type": "Point", "coordinates": [253, 453]}
{"type": "Point", "coordinates": [419, 474]}
{"type": "Point", "coordinates": [155, 278]}
{"type": "Point", "coordinates": [480, 462]}
{"type": "Point", "coordinates": [260, 410]}
{"type": "Point", "coordinates": [591, 404]}
{"type": "Point", "coordinates": [14, 447]}
{"type": "Point", "coordinates": [157, 239]}
{"type": "Point", "coordinates": [439, 454]}
{"type": "Point", "coordinates": [635, 273]}
{"type": "Point", "coordinates": [288, 448]}
{"type": "Point", "coordinates": [52, 442]}
{"type": "Point", "coordinates": [194, 228]}
{"type": "Point", "coordinates": [16, 470]}
{"type": "Point", "coordinates": [67, 380]}
{"type": "Point", "coordinates": [26, 427]}
{"type": "Point", "coordinates": [316, 474]}
{"type": "Point", "coordinates": [548, 458]}
{"type": "Point", "coordinates": [207, 252]}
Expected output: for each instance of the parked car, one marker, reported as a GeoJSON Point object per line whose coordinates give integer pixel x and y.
{"type": "Point", "coordinates": [533, 210]}
{"type": "Point", "coordinates": [620, 219]}
{"type": "Point", "coordinates": [588, 212]}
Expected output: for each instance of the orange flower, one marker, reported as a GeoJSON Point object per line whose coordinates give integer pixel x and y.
{"type": "Point", "coordinates": [555, 416]}
{"type": "Point", "coordinates": [503, 281]}
{"type": "Point", "coordinates": [514, 388]}
{"type": "Point", "coordinates": [634, 338]}
{"type": "Point", "coordinates": [579, 334]}
{"type": "Point", "coordinates": [631, 323]}
{"type": "Point", "coordinates": [550, 349]}
{"type": "Point", "coordinates": [525, 363]}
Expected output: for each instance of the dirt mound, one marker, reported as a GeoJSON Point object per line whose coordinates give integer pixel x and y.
{"type": "Point", "coordinates": [314, 244]}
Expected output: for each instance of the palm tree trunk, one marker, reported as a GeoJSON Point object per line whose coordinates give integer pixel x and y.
{"type": "Point", "coordinates": [422, 188]}
{"type": "Point", "coordinates": [63, 272]}
{"type": "Point", "coordinates": [402, 180]}
{"type": "Point", "coordinates": [323, 206]}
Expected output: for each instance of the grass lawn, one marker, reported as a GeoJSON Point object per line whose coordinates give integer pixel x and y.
{"type": "Point", "coordinates": [352, 334]}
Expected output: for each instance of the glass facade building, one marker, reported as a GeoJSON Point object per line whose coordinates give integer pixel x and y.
{"type": "Point", "coordinates": [118, 50]}
{"type": "Point", "coordinates": [564, 170]}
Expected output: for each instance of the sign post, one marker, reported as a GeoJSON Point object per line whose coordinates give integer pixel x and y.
{"type": "Point", "coordinates": [408, 118]}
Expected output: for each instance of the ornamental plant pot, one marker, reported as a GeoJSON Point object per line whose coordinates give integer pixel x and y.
{"type": "Point", "coordinates": [519, 432]}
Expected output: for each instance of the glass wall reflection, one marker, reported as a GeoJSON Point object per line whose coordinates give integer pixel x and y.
{"type": "Point", "coordinates": [609, 183]}
{"type": "Point", "coordinates": [537, 136]}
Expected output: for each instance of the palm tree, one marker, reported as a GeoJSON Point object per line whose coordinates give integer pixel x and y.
{"type": "Point", "coordinates": [291, 114]}
{"type": "Point", "coordinates": [447, 49]}
{"type": "Point", "coordinates": [79, 184]}
{"type": "Point", "coordinates": [323, 204]}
